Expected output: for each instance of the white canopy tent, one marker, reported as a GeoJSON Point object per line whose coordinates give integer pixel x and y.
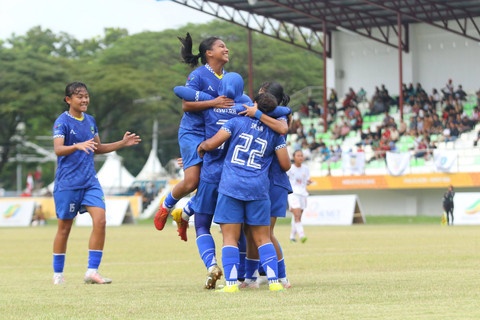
{"type": "Point", "coordinates": [113, 176]}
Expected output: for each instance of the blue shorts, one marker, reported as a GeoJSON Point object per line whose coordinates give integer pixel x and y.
{"type": "Point", "coordinates": [278, 201]}
{"type": "Point", "coordinates": [206, 198]}
{"type": "Point", "coordinates": [69, 202]}
{"type": "Point", "coordinates": [188, 142]}
{"type": "Point", "coordinates": [231, 210]}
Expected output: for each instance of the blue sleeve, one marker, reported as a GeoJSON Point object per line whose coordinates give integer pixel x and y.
{"type": "Point", "coordinates": [193, 81]}
{"type": "Point", "coordinates": [190, 94]}
{"type": "Point", "coordinates": [280, 142]}
{"type": "Point", "coordinates": [59, 129]}
{"type": "Point", "coordinates": [244, 99]}
{"type": "Point", "coordinates": [229, 126]}
{"type": "Point", "coordinates": [280, 111]}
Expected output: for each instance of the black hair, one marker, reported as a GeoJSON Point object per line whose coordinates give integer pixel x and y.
{"type": "Point", "coordinates": [276, 89]}
{"type": "Point", "coordinates": [186, 50]}
{"type": "Point", "coordinates": [266, 102]}
{"type": "Point", "coordinates": [73, 88]}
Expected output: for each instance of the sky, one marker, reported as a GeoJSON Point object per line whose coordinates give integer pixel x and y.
{"type": "Point", "coordinates": [85, 19]}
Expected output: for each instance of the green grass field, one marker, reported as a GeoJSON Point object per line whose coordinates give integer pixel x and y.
{"type": "Point", "coordinates": [373, 271]}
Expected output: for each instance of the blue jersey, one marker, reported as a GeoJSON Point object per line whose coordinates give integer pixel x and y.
{"type": "Point", "coordinates": [76, 170]}
{"type": "Point", "coordinates": [213, 160]}
{"type": "Point", "coordinates": [201, 79]}
{"type": "Point", "coordinates": [277, 175]}
{"type": "Point", "coordinates": [249, 155]}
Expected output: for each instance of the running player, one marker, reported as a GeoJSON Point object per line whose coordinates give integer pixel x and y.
{"type": "Point", "coordinates": [299, 176]}
{"type": "Point", "coordinates": [75, 140]}
{"type": "Point", "coordinates": [213, 54]}
{"type": "Point", "coordinates": [205, 200]}
{"type": "Point", "coordinates": [243, 188]}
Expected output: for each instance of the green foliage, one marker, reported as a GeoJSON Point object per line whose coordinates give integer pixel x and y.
{"type": "Point", "coordinates": [120, 69]}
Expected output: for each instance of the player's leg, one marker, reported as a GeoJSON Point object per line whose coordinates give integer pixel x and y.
{"type": "Point", "coordinates": [66, 208]}
{"type": "Point", "coordinates": [206, 249]}
{"type": "Point", "coordinates": [282, 274]}
{"type": "Point", "coordinates": [242, 247]}
{"type": "Point", "coordinates": [95, 246]}
{"type": "Point", "coordinates": [252, 261]}
{"type": "Point", "coordinates": [258, 218]}
{"type": "Point", "coordinates": [60, 249]}
{"type": "Point", "coordinates": [192, 164]}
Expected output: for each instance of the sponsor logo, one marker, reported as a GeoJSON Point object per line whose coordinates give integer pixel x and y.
{"type": "Point", "coordinates": [11, 211]}
{"type": "Point", "coordinates": [473, 208]}
{"type": "Point", "coordinates": [210, 88]}
{"type": "Point", "coordinates": [72, 132]}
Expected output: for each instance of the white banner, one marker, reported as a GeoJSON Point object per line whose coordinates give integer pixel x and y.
{"type": "Point", "coordinates": [332, 210]}
{"type": "Point", "coordinates": [397, 163]}
{"type": "Point", "coordinates": [353, 163]}
{"type": "Point", "coordinates": [115, 212]}
{"type": "Point", "coordinates": [466, 208]}
{"type": "Point", "coordinates": [16, 214]}
{"type": "Point", "coordinates": [444, 159]}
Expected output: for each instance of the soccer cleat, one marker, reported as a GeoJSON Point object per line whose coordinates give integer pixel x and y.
{"type": "Point", "coordinates": [261, 280]}
{"type": "Point", "coordinates": [292, 240]}
{"type": "Point", "coordinates": [249, 285]}
{"type": "Point", "coordinates": [58, 279]}
{"type": "Point", "coordinates": [96, 278]}
{"type": "Point", "coordinates": [182, 225]}
{"type": "Point", "coordinates": [285, 283]}
{"type": "Point", "coordinates": [214, 274]}
{"type": "Point", "coordinates": [161, 216]}
{"type": "Point", "coordinates": [304, 239]}
{"type": "Point", "coordinates": [275, 286]}
{"type": "Point", "coordinates": [232, 288]}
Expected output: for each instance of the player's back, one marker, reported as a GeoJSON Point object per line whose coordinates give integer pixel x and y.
{"type": "Point", "coordinates": [249, 155]}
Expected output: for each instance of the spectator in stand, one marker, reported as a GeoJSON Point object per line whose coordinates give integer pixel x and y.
{"type": "Point", "coordinates": [419, 89]}
{"type": "Point", "coordinates": [358, 124]}
{"type": "Point", "coordinates": [435, 98]}
{"type": "Point", "coordinates": [475, 116]}
{"type": "Point", "coordinates": [478, 98]}
{"type": "Point", "coordinates": [448, 90]}
{"type": "Point", "coordinates": [317, 111]}
{"type": "Point", "coordinates": [475, 142]}
{"type": "Point", "coordinates": [460, 94]}
{"type": "Point", "coordinates": [402, 129]}
{"type": "Point", "coordinates": [420, 123]}
{"type": "Point", "coordinates": [312, 130]}
{"type": "Point", "coordinates": [311, 105]}
{"type": "Point", "coordinates": [303, 111]}
{"type": "Point", "coordinates": [465, 124]}
{"type": "Point", "coordinates": [336, 153]}
{"type": "Point", "coordinates": [296, 123]}
{"type": "Point", "coordinates": [314, 147]}
{"type": "Point", "coordinates": [394, 134]}
{"type": "Point", "coordinates": [307, 154]}
{"type": "Point", "coordinates": [324, 152]}
{"type": "Point", "coordinates": [427, 123]}
{"type": "Point", "coordinates": [437, 126]}
{"type": "Point", "coordinates": [386, 119]}
{"type": "Point", "coordinates": [412, 127]}
{"type": "Point", "coordinates": [421, 150]}
{"type": "Point", "coordinates": [333, 99]}
{"type": "Point", "coordinates": [451, 132]}
{"type": "Point", "coordinates": [344, 130]}
{"type": "Point", "coordinates": [361, 95]}
{"type": "Point", "coordinates": [353, 95]}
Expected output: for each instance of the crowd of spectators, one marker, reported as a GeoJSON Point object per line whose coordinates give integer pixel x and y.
{"type": "Point", "coordinates": [440, 114]}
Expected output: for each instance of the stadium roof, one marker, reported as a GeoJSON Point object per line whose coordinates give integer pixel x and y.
{"type": "Point", "coordinates": [302, 22]}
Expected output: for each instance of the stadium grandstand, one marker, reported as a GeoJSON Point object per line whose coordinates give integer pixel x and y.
{"type": "Point", "coordinates": [407, 60]}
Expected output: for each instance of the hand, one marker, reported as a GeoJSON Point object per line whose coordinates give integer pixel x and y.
{"type": "Point", "coordinates": [130, 139]}
{"type": "Point", "coordinates": [180, 162]}
{"type": "Point", "coordinates": [250, 111]}
{"type": "Point", "coordinates": [200, 151]}
{"type": "Point", "coordinates": [89, 145]}
{"type": "Point", "coordinates": [222, 102]}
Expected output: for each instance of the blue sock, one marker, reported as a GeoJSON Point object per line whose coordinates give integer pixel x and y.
{"type": "Point", "coordinates": [242, 247]}
{"type": "Point", "coordinates": [170, 201]}
{"type": "Point", "coordinates": [251, 268]}
{"type": "Point", "coordinates": [94, 258]}
{"type": "Point", "coordinates": [188, 207]}
{"type": "Point", "coordinates": [281, 265]}
{"type": "Point", "coordinates": [230, 260]}
{"type": "Point", "coordinates": [58, 262]}
{"type": "Point", "coordinates": [268, 259]}
{"type": "Point", "coordinates": [206, 248]}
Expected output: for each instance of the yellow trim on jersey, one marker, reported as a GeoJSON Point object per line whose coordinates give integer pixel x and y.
{"type": "Point", "coordinates": [219, 76]}
{"type": "Point", "coordinates": [79, 119]}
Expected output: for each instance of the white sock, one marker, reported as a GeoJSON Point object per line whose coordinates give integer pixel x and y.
{"type": "Point", "coordinates": [292, 233]}
{"type": "Point", "coordinates": [58, 274]}
{"type": "Point", "coordinates": [90, 271]}
{"type": "Point", "coordinates": [185, 216]}
{"type": "Point", "coordinates": [299, 227]}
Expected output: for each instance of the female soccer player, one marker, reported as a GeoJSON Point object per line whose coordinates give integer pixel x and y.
{"type": "Point", "coordinates": [299, 176]}
{"type": "Point", "coordinates": [75, 140]}
{"type": "Point", "coordinates": [243, 188]}
{"type": "Point", "coordinates": [279, 190]}
{"type": "Point", "coordinates": [213, 54]}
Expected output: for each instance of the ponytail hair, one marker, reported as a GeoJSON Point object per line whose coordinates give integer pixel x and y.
{"type": "Point", "coordinates": [186, 51]}
{"type": "Point", "coordinates": [276, 89]}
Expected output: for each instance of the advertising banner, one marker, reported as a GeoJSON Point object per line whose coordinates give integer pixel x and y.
{"type": "Point", "coordinates": [16, 213]}
{"type": "Point", "coordinates": [466, 208]}
{"type": "Point", "coordinates": [341, 210]}
{"type": "Point", "coordinates": [116, 213]}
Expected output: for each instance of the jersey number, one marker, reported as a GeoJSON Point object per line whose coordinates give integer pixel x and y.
{"type": "Point", "coordinates": [252, 153]}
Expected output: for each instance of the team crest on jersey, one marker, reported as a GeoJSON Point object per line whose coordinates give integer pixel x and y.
{"type": "Point", "coordinates": [92, 129]}
{"type": "Point", "coordinates": [57, 125]}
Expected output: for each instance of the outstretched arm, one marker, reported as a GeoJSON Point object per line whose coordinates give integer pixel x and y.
{"type": "Point", "coordinates": [129, 139]}
{"type": "Point", "coordinates": [63, 150]}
